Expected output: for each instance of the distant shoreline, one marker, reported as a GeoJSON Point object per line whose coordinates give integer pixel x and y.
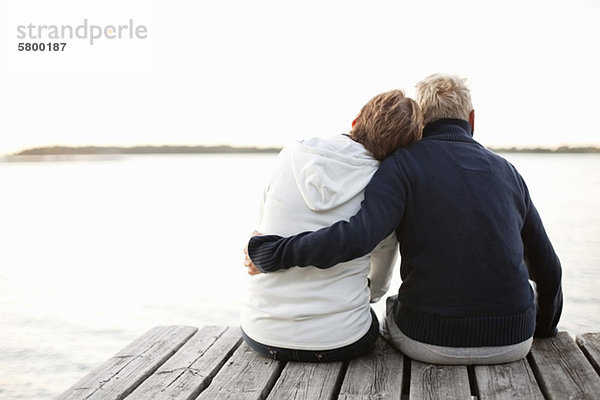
{"type": "Point", "coordinates": [225, 149]}
{"type": "Point", "coordinates": [112, 150]}
{"type": "Point", "coordinates": [559, 150]}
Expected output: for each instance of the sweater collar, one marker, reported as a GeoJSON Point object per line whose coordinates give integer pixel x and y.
{"type": "Point", "coordinates": [451, 129]}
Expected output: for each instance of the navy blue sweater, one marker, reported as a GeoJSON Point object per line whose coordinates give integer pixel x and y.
{"type": "Point", "coordinates": [470, 238]}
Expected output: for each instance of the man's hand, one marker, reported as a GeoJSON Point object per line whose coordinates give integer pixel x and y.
{"type": "Point", "coordinates": [252, 269]}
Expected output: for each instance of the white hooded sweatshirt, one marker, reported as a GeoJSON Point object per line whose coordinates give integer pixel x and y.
{"type": "Point", "coordinates": [316, 183]}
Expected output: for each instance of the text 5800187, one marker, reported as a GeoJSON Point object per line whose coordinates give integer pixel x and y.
{"type": "Point", "coordinates": [50, 46]}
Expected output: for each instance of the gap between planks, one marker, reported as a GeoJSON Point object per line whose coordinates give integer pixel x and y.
{"type": "Point", "coordinates": [213, 363]}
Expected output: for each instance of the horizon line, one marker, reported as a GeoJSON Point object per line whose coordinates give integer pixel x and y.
{"type": "Point", "coordinates": [225, 148]}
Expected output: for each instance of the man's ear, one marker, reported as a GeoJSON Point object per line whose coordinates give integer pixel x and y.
{"type": "Point", "coordinates": [472, 120]}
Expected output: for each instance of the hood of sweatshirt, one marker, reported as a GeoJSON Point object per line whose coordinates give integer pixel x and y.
{"type": "Point", "coordinates": [331, 171]}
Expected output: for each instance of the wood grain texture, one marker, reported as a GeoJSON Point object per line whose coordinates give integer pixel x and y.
{"type": "Point", "coordinates": [121, 374]}
{"type": "Point", "coordinates": [375, 376]}
{"type": "Point", "coordinates": [590, 344]}
{"type": "Point", "coordinates": [428, 381]}
{"type": "Point", "coordinates": [245, 376]}
{"type": "Point", "coordinates": [190, 370]}
{"type": "Point", "coordinates": [562, 370]}
{"type": "Point", "coordinates": [178, 362]}
{"type": "Point", "coordinates": [307, 381]}
{"type": "Point", "coordinates": [507, 382]}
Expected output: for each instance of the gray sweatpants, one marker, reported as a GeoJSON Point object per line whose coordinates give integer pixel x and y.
{"type": "Point", "coordinates": [448, 355]}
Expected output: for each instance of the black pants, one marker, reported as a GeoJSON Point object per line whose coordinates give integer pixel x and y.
{"type": "Point", "coordinates": [357, 349]}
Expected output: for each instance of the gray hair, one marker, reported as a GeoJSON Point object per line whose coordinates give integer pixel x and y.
{"type": "Point", "coordinates": [443, 96]}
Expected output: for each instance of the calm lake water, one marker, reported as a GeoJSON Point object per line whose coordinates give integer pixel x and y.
{"type": "Point", "coordinates": [95, 252]}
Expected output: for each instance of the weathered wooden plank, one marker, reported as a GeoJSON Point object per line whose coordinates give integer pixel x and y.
{"type": "Point", "coordinates": [562, 370]}
{"type": "Point", "coordinates": [375, 376]}
{"type": "Point", "coordinates": [246, 376]}
{"type": "Point", "coordinates": [507, 382]}
{"type": "Point", "coordinates": [307, 381]}
{"type": "Point", "coordinates": [121, 374]}
{"type": "Point", "coordinates": [179, 363]}
{"type": "Point", "coordinates": [190, 370]}
{"type": "Point", "coordinates": [590, 344]}
{"type": "Point", "coordinates": [429, 381]}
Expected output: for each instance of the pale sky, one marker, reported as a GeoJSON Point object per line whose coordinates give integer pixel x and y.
{"type": "Point", "coordinates": [269, 72]}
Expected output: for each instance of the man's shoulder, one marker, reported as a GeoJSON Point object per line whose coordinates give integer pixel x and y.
{"type": "Point", "coordinates": [499, 159]}
{"type": "Point", "coordinates": [427, 154]}
{"type": "Point", "coordinates": [420, 150]}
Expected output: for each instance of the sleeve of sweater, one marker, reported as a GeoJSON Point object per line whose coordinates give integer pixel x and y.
{"type": "Point", "coordinates": [380, 214]}
{"type": "Point", "coordinates": [383, 261]}
{"type": "Point", "coordinates": [545, 270]}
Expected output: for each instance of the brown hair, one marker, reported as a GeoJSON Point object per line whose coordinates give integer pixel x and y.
{"type": "Point", "coordinates": [387, 122]}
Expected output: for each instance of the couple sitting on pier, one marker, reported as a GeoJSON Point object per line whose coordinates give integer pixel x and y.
{"type": "Point", "coordinates": [470, 239]}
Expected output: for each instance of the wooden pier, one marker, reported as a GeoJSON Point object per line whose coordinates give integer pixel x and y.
{"type": "Point", "coordinates": [181, 362]}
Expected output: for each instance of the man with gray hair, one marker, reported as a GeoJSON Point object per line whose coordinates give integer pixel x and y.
{"type": "Point", "coordinates": [470, 240]}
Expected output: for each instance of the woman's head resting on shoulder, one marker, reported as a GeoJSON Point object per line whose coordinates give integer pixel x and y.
{"type": "Point", "coordinates": [387, 122]}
